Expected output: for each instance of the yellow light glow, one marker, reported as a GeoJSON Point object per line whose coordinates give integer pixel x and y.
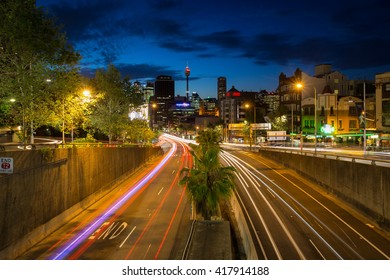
{"type": "Point", "coordinates": [86, 93]}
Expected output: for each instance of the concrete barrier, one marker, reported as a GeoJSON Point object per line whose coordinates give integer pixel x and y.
{"type": "Point", "coordinates": [246, 238]}
{"type": "Point", "coordinates": [47, 183]}
{"type": "Point", "coordinates": [364, 186]}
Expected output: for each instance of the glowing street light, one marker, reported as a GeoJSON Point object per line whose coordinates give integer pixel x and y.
{"type": "Point", "coordinates": [300, 86]}
{"type": "Point", "coordinates": [86, 93]}
{"type": "Point", "coordinates": [153, 119]}
{"type": "Point", "coordinates": [253, 131]}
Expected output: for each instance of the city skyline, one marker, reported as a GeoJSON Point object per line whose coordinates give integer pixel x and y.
{"type": "Point", "coordinates": [250, 44]}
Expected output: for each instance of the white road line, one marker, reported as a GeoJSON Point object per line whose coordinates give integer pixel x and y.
{"type": "Point", "coordinates": [127, 237]}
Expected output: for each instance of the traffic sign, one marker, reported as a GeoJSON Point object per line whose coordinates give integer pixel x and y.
{"type": "Point", "coordinates": [6, 165]}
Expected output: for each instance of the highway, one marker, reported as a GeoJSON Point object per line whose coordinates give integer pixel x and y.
{"type": "Point", "coordinates": [146, 217]}
{"type": "Point", "coordinates": [290, 218]}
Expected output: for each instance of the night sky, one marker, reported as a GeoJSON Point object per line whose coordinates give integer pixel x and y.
{"type": "Point", "coordinates": [250, 42]}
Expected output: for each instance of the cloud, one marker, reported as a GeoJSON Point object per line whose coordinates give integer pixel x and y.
{"type": "Point", "coordinates": [165, 5]}
{"type": "Point", "coordinates": [350, 36]}
{"type": "Point", "coordinates": [145, 71]}
{"type": "Point", "coordinates": [180, 46]}
{"type": "Point", "coordinates": [82, 20]}
{"type": "Point", "coordinates": [228, 39]}
{"type": "Point", "coordinates": [364, 18]}
{"type": "Point", "coordinates": [142, 72]}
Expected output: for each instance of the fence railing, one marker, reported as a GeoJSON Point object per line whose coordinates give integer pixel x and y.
{"type": "Point", "coordinates": [50, 143]}
{"type": "Point", "coordinates": [371, 158]}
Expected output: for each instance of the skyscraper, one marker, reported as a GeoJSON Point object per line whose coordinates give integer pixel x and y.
{"type": "Point", "coordinates": [164, 94]}
{"type": "Point", "coordinates": [221, 88]}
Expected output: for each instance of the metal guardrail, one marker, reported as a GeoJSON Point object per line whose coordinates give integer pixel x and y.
{"type": "Point", "coordinates": [187, 248]}
{"type": "Point", "coordinates": [369, 159]}
{"type": "Point", "coordinates": [50, 143]}
{"type": "Point", "coordinates": [23, 146]}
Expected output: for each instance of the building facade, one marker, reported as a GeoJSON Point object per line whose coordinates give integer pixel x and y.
{"type": "Point", "coordinates": [162, 101]}
{"type": "Point", "coordinates": [382, 82]}
{"type": "Point", "coordinates": [319, 92]}
{"type": "Point", "coordinates": [221, 88]}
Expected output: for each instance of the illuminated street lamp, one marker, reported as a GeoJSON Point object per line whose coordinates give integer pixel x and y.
{"type": "Point", "coordinates": [154, 106]}
{"type": "Point", "coordinates": [87, 95]}
{"type": "Point", "coordinates": [87, 98]}
{"type": "Point", "coordinates": [253, 131]}
{"type": "Point", "coordinates": [299, 85]}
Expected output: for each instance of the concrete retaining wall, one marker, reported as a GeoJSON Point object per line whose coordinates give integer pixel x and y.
{"type": "Point", "coordinates": [365, 186]}
{"type": "Point", "coordinates": [47, 182]}
{"type": "Point", "coordinates": [246, 238]}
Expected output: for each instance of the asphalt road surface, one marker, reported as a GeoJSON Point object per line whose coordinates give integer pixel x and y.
{"type": "Point", "coordinates": [291, 218]}
{"type": "Point", "coordinates": [146, 217]}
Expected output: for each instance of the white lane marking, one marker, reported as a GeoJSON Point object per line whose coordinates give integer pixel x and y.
{"type": "Point", "coordinates": [147, 250]}
{"type": "Point", "coordinates": [318, 251]}
{"type": "Point", "coordinates": [127, 237]}
{"type": "Point", "coordinates": [160, 191]}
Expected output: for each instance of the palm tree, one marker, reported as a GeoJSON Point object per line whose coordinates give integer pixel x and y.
{"type": "Point", "coordinates": [208, 182]}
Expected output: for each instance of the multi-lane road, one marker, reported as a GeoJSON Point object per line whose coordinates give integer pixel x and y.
{"type": "Point", "coordinates": [291, 218]}
{"type": "Point", "coordinates": [146, 217]}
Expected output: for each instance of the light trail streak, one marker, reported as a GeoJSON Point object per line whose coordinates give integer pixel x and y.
{"type": "Point", "coordinates": [289, 206]}
{"type": "Point", "coordinates": [148, 225]}
{"type": "Point", "coordinates": [251, 178]}
{"type": "Point", "coordinates": [65, 250]}
{"type": "Point", "coordinates": [177, 207]}
{"type": "Point", "coordinates": [315, 217]}
{"type": "Point", "coordinates": [266, 228]}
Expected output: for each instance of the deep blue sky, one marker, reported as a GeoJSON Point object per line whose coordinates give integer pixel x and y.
{"type": "Point", "coordinates": [250, 42]}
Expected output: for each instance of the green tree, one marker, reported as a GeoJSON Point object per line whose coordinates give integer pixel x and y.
{"type": "Point", "coordinates": [133, 94]}
{"type": "Point", "coordinates": [278, 119]}
{"type": "Point", "coordinates": [208, 182]}
{"type": "Point", "coordinates": [31, 47]}
{"type": "Point", "coordinates": [110, 111]}
{"type": "Point", "coordinates": [138, 131]}
{"type": "Point", "coordinates": [69, 106]}
{"type": "Point", "coordinates": [246, 131]}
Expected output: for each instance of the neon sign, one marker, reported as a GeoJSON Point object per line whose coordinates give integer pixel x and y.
{"type": "Point", "coordinates": [184, 104]}
{"type": "Point", "coordinates": [327, 129]}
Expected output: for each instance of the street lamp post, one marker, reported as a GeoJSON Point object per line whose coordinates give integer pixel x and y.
{"type": "Point", "coordinates": [292, 124]}
{"type": "Point", "coordinates": [315, 120]}
{"type": "Point", "coordinates": [154, 106]}
{"type": "Point", "coordinates": [299, 85]}
{"type": "Point", "coordinates": [254, 123]}
{"type": "Point", "coordinates": [253, 131]}
{"type": "Point", "coordinates": [364, 120]}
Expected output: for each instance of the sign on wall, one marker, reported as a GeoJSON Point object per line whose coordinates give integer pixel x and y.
{"type": "Point", "coordinates": [6, 165]}
{"type": "Point", "coordinates": [276, 135]}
